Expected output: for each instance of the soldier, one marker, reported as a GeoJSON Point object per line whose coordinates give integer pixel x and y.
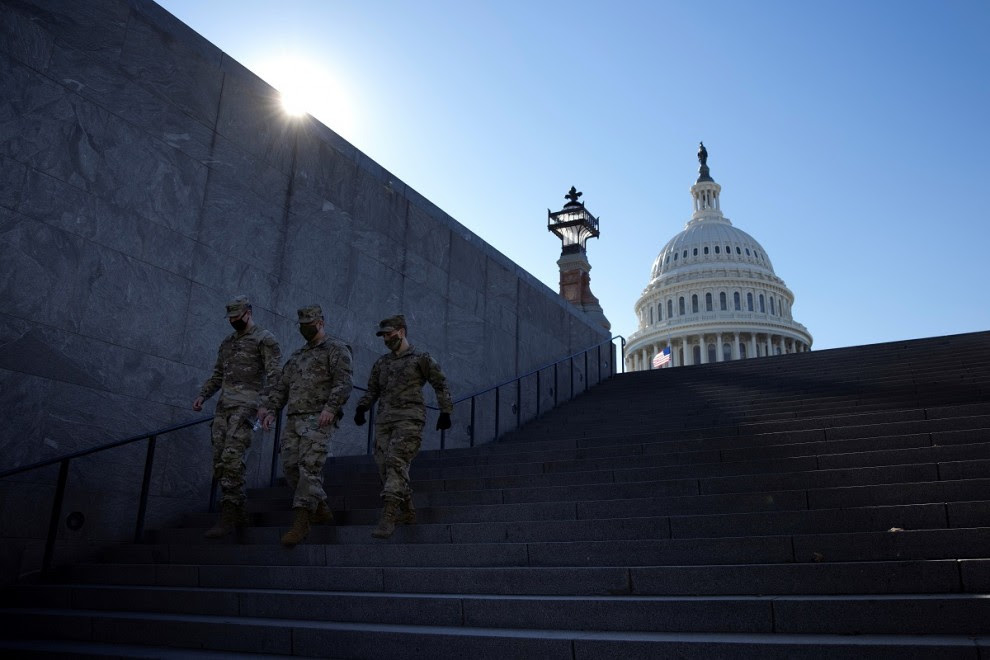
{"type": "Point", "coordinates": [396, 382]}
{"type": "Point", "coordinates": [247, 366]}
{"type": "Point", "coordinates": [315, 382]}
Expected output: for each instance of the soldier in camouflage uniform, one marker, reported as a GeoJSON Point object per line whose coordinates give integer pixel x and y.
{"type": "Point", "coordinates": [247, 365]}
{"type": "Point", "coordinates": [315, 383]}
{"type": "Point", "coordinates": [396, 382]}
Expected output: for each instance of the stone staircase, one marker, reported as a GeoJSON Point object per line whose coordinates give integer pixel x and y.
{"type": "Point", "coordinates": [832, 504]}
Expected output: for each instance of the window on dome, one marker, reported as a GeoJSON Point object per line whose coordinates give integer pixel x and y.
{"type": "Point", "coordinates": [735, 301]}
{"type": "Point", "coordinates": [685, 254]}
{"type": "Point", "coordinates": [670, 308]}
{"type": "Point", "coordinates": [749, 302]}
{"type": "Point", "coordinates": [717, 250]}
{"type": "Point", "coordinates": [728, 250]}
{"type": "Point", "coordinates": [651, 316]}
{"type": "Point", "coordinates": [706, 249]}
{"type": "Point", "coordinates": [772, 311]}
{"type": "Point", "coordinates": [747, 252]}
{"type": "Point", "coordinates": [675, 256]}
{"type": "Point", "coordinates": [763, 305]}
{"type": "Point", "coordinates": [708, 302]}
{"type": "Point", "coordinates": [738, 251]}
{"type": "Point", "coordinates": [659, 312]}
{"type": "Point", "coordinates": [721, 301]}
{"type": "Point", "coordinates": [680, 306]}
{"type": "Point", "coordinates": [694, 303]}
{"type": "Point", "coordinates": [695, 252]}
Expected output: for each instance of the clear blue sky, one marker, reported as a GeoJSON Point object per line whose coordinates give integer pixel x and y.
{"type": "Point", "coordinates": [850, 137]}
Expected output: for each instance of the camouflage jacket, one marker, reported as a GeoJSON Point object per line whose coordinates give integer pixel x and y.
{"type": "Point", "coordinates": [396, 382]}
{"type": "Point", "coordinates": [315, 378]}
{"type": "Point", "coordinates": [247, 366]}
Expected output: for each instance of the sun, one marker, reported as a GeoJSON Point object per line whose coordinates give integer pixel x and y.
{"type": "Point", "coordinates": [307, 87]}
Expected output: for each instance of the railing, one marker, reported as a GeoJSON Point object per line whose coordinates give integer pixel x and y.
{"type": "Point", "coordinates": [152, 438]}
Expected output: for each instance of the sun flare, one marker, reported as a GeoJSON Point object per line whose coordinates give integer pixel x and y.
{"type": "Point", "coordinates": [307, 87]}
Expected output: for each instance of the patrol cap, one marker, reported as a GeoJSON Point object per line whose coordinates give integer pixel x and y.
{"type": "Point", "coordinates": [238, 306]}
{"type": "Point", "coordinates": [390, 324]}
{"type": "Point", "coordinates": [310, 313]}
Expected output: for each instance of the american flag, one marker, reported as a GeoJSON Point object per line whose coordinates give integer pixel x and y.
{"type": "Point", "coordinates": [662, 358]}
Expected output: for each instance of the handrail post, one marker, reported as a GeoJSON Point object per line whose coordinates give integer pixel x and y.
{"type": "Point", "coordinates": [570, 393]}
{"type": "Point", "coordinates": [556, 384]}
{"type": "Point", "coordinates": [472, 421]}
{"type": "Point", "coordinates": [145, 488]}
{"type": "Point", "coordinates": [63, 476]}
{"type": "Point", "coordinates": [275, 448]}
{"type": "Point", "coordinates": [371, 428]}
{"type": "Point", "coordinates": [586, 371]}
{"type": "Point", "coordinates": [599, 364]}
{"type": "Point", "coordinates": [496, 412]}
{"type": "Point", "coordinates": [537, 394]}
{"type": "Point", "coordinates": [518, 402]}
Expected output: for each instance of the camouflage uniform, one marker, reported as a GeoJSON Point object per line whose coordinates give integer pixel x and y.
{"type": "Point", "coordinates": [314, 379]}
{"type": "Point", "coordinates": [247, 365]}
{"type": "Point", "coordinates": [396, 382]}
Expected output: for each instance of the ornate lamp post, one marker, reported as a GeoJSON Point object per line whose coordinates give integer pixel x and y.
{"type": "Point", "coordinates": [574, 225]}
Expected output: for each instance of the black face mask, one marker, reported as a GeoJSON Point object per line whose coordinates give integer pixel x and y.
{"type": "Point", "coordinates": [238, 324]}
{"type": "Point", "coordinates": [308, 331]}
{"type": "Point", "coordinates": [393, 343]}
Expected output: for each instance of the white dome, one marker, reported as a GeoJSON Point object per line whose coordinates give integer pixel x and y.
{"type": "Point", "coordinates": [708, 242]}
{"type": "Point", "coordinates": [713, 294]}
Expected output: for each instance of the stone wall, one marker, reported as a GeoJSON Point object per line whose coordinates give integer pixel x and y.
{"type": "Point", "coordinates": [145, 178]}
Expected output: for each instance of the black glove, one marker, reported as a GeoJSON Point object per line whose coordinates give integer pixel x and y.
{"type": "Point", "coordinates": [359, 416]}
{"type": "Point", "coordinates": [443, 421]}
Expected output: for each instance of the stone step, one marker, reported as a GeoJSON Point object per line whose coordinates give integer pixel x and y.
{"type": "Point", "coordinates": [362, 640]}
{"type": "Point", "coordinates": [882, 518]}
{"type": "Point", "coordinates": [951, 543]}
{"type": "Point", "coordinates": [884, 577]}
{"type": "Point", "coordinates": [28, 649]}
{"type": "Point", "coordinates": [901, 614]}
{"type": "Point", "coordinates": [841, 497]}
{"type": "Point", "coordinates": [854, 439]}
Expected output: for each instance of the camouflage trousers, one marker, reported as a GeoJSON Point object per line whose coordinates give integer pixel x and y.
{"type": "Point", "coordinates": [396, 444]}
{"type": "Point", "coordinates": [231, 431]}
{"type": "Point", "coordinates": [304, 451]}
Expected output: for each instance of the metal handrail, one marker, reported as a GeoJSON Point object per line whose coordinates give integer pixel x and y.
{"type": "Point", "coordinates": [152, 437]}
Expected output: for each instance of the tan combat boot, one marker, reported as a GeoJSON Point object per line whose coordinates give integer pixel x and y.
{"type": "Point", "coordinates": [230, 518]}
{"type": "Point", "coordinates": [323, 515]}
{"type": "Point", "coordinates": [300, 528]}
{"type": "Point", "coordinates": [407, 513]}
{"type": "Point", "coordinates": [387, 524]}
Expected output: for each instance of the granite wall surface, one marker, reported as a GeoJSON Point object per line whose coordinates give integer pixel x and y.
{"type": "Point", "coordinates": [145, 178]}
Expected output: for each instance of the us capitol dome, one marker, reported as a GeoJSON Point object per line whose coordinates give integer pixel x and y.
{"type": "Point", "coordinates": [713, 295]}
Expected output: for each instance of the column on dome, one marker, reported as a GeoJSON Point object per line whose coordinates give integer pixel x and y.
{"type": "Point", "coordinates": [735, 345]}
{"type": "Point", "coordinates": [768, 345]}
{"type": "Point", "coordinates": [718, 347]}
{"type": "Point", "coordinates": [752, 344]}
{"type": "Point", "coordinates": [704, 349]}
